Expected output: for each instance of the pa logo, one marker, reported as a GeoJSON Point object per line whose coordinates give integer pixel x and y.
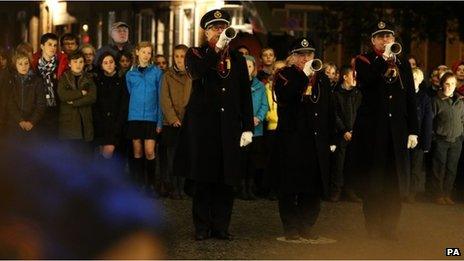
{"type": "Point", "coordinates": [452, 251]}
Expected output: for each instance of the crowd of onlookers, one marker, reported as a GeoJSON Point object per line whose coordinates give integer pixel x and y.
{"type": "Point", "coordinates": [123, 106]}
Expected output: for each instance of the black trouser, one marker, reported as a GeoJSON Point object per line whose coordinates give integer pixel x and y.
{"type": "Point", "coordinates": [382, 205]}
{"type": "Point", "coordinates": [212, 207]}
{"type": "Point", "coordinates": [428, 158]}
{"type": "Point", "coordinates": [417, 160]}
{"type": "Point", "coordinates": [338, 166]}
{"type": "Point", "coordinates": [170, 137]}
{"type": "Point", "coordinates": [270, 139]}
{"type": "Point", "coordinates": [161, 151]}
{"type": "Point", "coordinates": [444, 166]}
{"type": "Point", "coordinates": [298, 212]}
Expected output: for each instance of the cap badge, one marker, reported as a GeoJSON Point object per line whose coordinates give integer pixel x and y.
{"type": "Point", "coordinates": [381, 25]}
{"type": "Point", "coordinates": [305, 43]}
{"type": "Point", "coordinates": [217, 14]}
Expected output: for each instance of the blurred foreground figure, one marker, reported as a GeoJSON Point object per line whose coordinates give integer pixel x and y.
{"type": "Point", "coordinates": [54, 206]}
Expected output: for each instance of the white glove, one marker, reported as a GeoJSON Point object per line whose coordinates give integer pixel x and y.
{"type": "Point", "coordinates": [307, 69]}
{"type": "Point", "coordinates": [246, 138]}
{"type": "Point", "coordinates": [333, 148]}
{"type": "Point", "coordinates": [388, 54]}
{"type": "Point", "coordinates": [223, 41]}
{"type": "Point", "coordinates": [412, 141]}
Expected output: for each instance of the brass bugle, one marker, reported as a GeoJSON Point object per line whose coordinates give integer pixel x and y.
{"type": "Point", "coordinates": [316, 65]}
{"type": "Point", "coordinates": [230, 33]}
{"type": "Point", "coordinates": [393, 48]}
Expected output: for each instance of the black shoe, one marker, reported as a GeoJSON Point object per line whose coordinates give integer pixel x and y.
{"type": "Point", "coordinates": [222, 235]}
{"type": "Point", "coordinates": [374, 234]}
{"type": "Point", "coordinates": [271, 196]}
{"type": "Point", "coordinates": [335, 196]}
{"type": "Point", "coordinates": [352, 197]}
{"type": "Point", "coordinates": [292, 237]}
{"type": "Point", "coordinates": [200, 236]}
{"type": "Point", "coordinates": [251, 196]}
{"type": "Point", "coordinates": [410, 199]}
{"type": "Point", "coordinates": [390, 235]}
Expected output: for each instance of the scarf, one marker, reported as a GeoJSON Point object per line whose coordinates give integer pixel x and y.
{"type": "Point", "coordinates": [47, 69]}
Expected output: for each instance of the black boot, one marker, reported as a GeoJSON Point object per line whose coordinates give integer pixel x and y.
{"type": "Point", "coordinates": [241, 190]}
{"type": "Point", "coordinates": [151, 170]}
{"type": "Point", "coordinates": [136, 171]}
{"type": "Point", "coordinates": [180, 187]}
{"type": "Point", "coordinates": [351, 196]}
{"type": "Point", "coordinates": [250, 189]}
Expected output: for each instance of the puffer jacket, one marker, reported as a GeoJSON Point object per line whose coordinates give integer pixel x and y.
{"type": "Point", "coordinates": [144, 88]}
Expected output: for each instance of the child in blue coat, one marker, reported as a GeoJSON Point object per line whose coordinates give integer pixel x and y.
{"type": "Point", "coordinates": [145, 118]}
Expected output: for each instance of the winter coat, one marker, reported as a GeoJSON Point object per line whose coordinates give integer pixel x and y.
{"type": "Point", "coordinates": [144, 88]}
{"type": "Point", "coordinates": [110, 109]}
{"type": "Point", "coordinates": [424, 119]}
{"type": "Point", "coordinates": [63, 63]}
{"type": "Point", "coordinates": [448, 117]}
{"type": "Point", "coordinates": [219, 110]}
{"type": "Point", "coordinates": [260, 105]}
{"type": "Point", "coordinates": [25, 100]}
{"type": "Point", "coordinates": [75, 120]}
{"type": "Point", "coordinates": [114, 50]}
{"type": "Point", "coordinates": [385, 118]}
{"type": "Point", "coordinates": [346, 105]}
{"type": "Point", "coordinates": [175, 94]}
{"type": "Point", "coordinates": [304, 132]}
{"type": "Point", "coordinates": [271, 116]}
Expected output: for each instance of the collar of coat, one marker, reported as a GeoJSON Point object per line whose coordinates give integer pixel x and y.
{"type": "Point", "coordinates": [454, 97]}
{"type": "Point", "coordinates": [179, 76]}
{"type": "Point", "coordinates": [256, 84]}
{"type": "Point", "coordinates": [150, 67]}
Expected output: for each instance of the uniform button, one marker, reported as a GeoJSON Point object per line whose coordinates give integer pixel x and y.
{"type": "Point", "coordinates": [223, 89]}
{"type": "Point", "coordinates": [390, 97]}
{"type": "Point", "coordinates": [315, 133]}
{"type": "Point", "coordinates": [390, 115]}
{"type": "Point", "coordinates": [315, 114]}
{"type": "Point", "coordinates": [222, 109]}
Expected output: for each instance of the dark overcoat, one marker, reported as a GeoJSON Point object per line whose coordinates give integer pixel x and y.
{"type": "Point", "coordinates": [425, 119]}
{"type": "Point", "coordinates": [75, 120]}
{"type": "Point", "coordinates": [385, 118]}
{"type": "Point", "coordinates": [218, 111]}
{"type": "Point", "coordinates": [304, 132]}
{"type": "Point", "coordinates": [25, 101]}
{"type": "Point", "coordinates": [110, 109]}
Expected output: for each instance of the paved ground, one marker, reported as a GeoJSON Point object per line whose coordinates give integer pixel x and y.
{"type": "Point", "coordinates": [425, 230]}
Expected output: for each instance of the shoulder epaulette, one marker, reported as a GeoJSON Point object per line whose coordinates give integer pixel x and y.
{"type": "Point", "coordinates": [196, 53]}
{"type": "Point", "coordinates": [283, 78]}
{"type": "Point", "coordinates": [363, 58]}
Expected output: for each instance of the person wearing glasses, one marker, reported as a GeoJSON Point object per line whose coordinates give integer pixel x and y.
{"type": "Point", "coordinates": [217, 122]}
{"type": "Point", "coordinates": [119, 42]}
